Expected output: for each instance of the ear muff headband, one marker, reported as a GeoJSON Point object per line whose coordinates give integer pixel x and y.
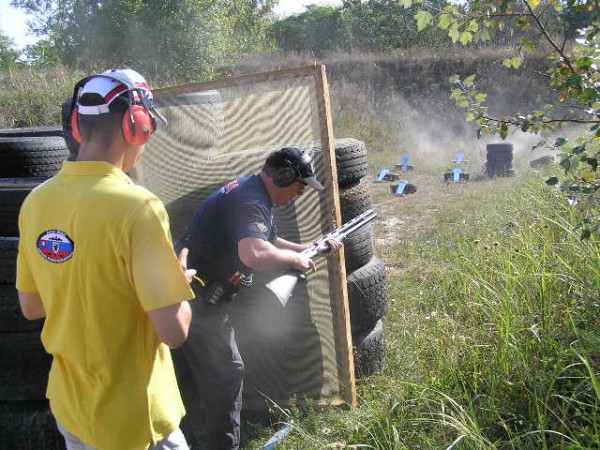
{"type": "Point", "coordinates": [138, 123]}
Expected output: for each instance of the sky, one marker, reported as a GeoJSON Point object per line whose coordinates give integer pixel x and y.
{"type": "Point", "coordinates": [13, 21]}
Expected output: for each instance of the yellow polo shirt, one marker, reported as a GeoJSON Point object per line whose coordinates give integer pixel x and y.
{"type": "Point", "coordinates": [98, 250]}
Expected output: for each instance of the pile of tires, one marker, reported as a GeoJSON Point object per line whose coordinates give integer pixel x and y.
{"type": "Point", "coordinates": [499, 160]}
{"type": "Point", "coordinates": [368, 292]}
{"type": "Point", "coordinates": [29, 157]}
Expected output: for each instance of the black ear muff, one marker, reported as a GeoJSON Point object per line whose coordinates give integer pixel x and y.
{"type": "Point", "coordinates": [285, 177]}
{"type": "Point", "coordinates": [138, 125]}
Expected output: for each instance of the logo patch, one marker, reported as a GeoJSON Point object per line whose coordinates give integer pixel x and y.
{"type": "Point", "coordinates": [261, 227]}
{"type": "Point", "coordinates": [230, 186]}
{"type": "Point", "coordinates": [55, 246]}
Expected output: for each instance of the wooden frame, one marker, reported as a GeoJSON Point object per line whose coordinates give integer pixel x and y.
{"type": "Point", "coordinates": [339, 303]}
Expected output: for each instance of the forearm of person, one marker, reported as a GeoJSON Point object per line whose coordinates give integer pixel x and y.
{"type": "Point", "coordinates": [259, 254]}
{"type": "Point", "coordinates": [172, 323]}
{"type": "Point", "coordinates": [31, 305]}
{"type": "Point", "coordinates": [284, 244]}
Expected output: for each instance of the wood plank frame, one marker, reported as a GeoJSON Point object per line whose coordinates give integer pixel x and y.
{"type": "Point", "coordinates": [341, 312]}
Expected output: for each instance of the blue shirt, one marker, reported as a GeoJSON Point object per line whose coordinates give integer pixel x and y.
{"type": "Point", "coordinates": [240, 209]}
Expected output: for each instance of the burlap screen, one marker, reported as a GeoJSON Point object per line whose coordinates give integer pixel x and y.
{"type": "Point", "coordinates": [224, 129]}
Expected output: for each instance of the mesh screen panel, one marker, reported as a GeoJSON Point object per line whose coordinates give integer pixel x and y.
{"type": "Point", "coordinates": [225, 129]}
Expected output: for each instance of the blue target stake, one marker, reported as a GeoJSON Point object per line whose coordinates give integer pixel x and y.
{"type": "Point", "coordinates": [278, 437]}
{"type": "Point", "coordinates": [381, 176]}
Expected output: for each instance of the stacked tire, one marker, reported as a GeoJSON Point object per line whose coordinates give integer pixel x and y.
{"type": "Point", "coordinates": [29, 157]}
{"type": "Point", "coordinates": [368, 292]}
{"type": "Point", "coordinates": [499, 160]}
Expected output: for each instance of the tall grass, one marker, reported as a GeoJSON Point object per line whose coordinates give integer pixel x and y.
{"type": "Point", "coordinates": [492, 336]}
{"type": "Point", "coordinates": [33, 97]}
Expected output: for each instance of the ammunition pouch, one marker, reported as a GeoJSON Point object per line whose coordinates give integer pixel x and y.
{"type": "Point", "coordinates": [214, 293]}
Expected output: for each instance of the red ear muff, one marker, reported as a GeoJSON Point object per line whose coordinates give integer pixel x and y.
{"type": "Point", "coordinates": [75, 126]}
{"type": "Point", "coordinates": [138, 132]}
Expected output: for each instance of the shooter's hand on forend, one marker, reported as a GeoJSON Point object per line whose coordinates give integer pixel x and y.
{"type": "Point", "coordinates": [333, 245]}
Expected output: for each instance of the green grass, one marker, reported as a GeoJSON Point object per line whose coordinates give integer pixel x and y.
{"type": "Point", "coordinates": [30, 97]}
{"type": "Point", "coordinates": [492, 335]}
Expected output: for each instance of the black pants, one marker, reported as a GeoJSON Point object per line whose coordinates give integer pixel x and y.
{"type": "Point", "coordinates": [210, 370]}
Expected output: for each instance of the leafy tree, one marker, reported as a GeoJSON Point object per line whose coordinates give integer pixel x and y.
{"type": "Point", "coordinates": [574, 76]}
{"type": "Point", "coordinates": [174, 39]}
{"type": "Point", "coordinates": [319, 30]}
{"type": "Point", "coordinates": [8, 56]}
{"type": "Point", "coordinates": [383, 25]}
{"type": "Point", "coordinates": [374, 25]}
{"type": "Point", "coordinates": [43, 54]}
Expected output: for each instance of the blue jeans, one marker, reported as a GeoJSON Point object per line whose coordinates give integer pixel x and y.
{"type": "Point", "coordinates": [174, 441]}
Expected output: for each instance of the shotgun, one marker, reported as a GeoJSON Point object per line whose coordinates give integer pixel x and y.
{"type": "Point", "coordinates": [283, 285]}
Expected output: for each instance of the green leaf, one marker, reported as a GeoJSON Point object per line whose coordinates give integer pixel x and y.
{"type": "Point", "coordinates": [529, 45]}
{"type": "Point", "coordinates": [589, 95]}
{"type": "Point", "coordinates": [445, 21]}
{"type": "Point", "coordinates": [480, 97]}
{"type": "Point", "coordinates": [552, 181]}
{"type": "Point", "coordinates": [573, 81]}
{"type": "Point", "coordinates": [454, 79]}
{"type": "Point", "coordinates": [406, 3]}
{"type": "Point", "coordinates": [485, 35]}
{"type": "Point", "coordinates": [516, 62]}
{"type": "Point", "coordinates": [506, 62]}
{"type": "Point", "coordinates": [469, 81]}
{"type": "Point", "coordinates": [453, 33]}
{"type": "Point", "coordinates": [472, 26]}
{"type": "Point", "coordinates": [466, 37]}
{"type": "Point", "coordinates": [584, 63]}
{"type": "Point", "coordinates": [423, 18]}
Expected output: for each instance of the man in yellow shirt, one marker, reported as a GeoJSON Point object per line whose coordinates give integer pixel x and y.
{"type": "Point", "coordinates": [96, 260]}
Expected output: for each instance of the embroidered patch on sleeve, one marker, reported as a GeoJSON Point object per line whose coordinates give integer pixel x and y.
{"type": "Point", "coordinates": [55, 246]}
{"type": "Point", "coordinates": [261, 227]}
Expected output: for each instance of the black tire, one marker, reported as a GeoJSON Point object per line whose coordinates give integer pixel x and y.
{"type": "Point", "coordinates": [354, 200]}
{"type": "Point", "coordinates": [543, 161]}
{"type": "Point", "coordinates": [11, 317]}
{"type": "Point", "coordinates": [32, 156]}
{"type": "Point", "coordinates": [9, 247]}
{"type": "Point", "coordinates": [499, 153]}
{"type": "Point", "coordinates": [29, 426]}
{"type": "Point", "coordinates": [498, 149]}
{"type": "Point", "coordinates": [12, 193]}
{"type": "Point", "coordinates": [351, 160]}
{"type": "Point", "coordinates": [368, 295]}
{"type": "Point", "coordinates": [499, 169]}
{"type": "Point", "coordinates": [359, 248]}
{"type": "Point", "coordinates": [24, 367]}
{"type": "Point", "coordinates": [369, 351]}
{"type": "Point", "coordinates": [32, 132]}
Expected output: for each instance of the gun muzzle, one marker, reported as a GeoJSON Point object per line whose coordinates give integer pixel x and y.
{"type": "Point", "coordinates": [284, 285]}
